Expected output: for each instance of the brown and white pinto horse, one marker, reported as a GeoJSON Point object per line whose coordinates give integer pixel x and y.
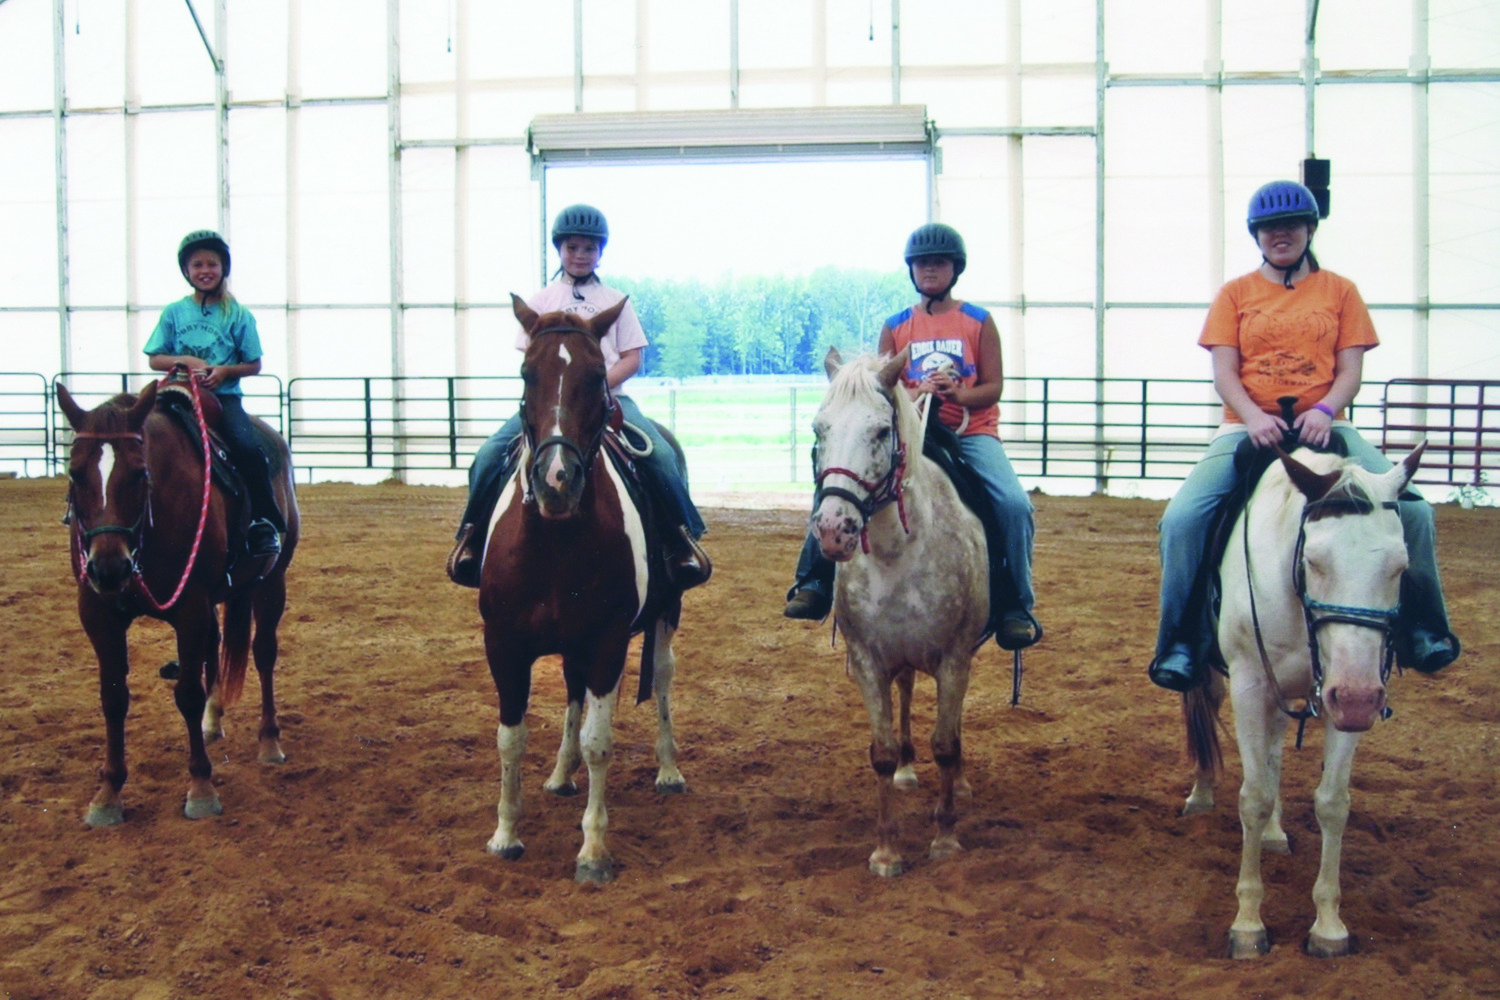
{"type": "Point", "coordinates": [569, 569]}
{"type": "Point", "coordinates": [1311, 583]}
{"type": "Point", "coordinates": [151, 535]}
{"type": "Point", "coordinates": [912, 592]}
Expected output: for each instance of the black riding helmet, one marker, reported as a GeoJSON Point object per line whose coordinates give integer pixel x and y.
{"type": "Point", "coordinates": [936, 240]}
{"type": "Point", "coordinates": [580, 220]}
{"type": "Point", "coordinates": [202, 239]}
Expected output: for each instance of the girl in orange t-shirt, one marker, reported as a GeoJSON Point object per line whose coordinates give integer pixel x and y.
{"type": "Point", "coordinates": [1288, 328]}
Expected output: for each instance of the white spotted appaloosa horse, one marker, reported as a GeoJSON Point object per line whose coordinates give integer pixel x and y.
{"type": "Point", "coordinates": [568, 569]}
{"type": "Point", "coordinates": [911, 594]}
{"type": "Point", "coordinates": [1311, 583]}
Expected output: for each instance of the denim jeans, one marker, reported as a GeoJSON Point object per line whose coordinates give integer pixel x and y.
{"type": "Point", "coordinates": [491, 468]}
{"type": "Point", "coordinates": [1188, 519]}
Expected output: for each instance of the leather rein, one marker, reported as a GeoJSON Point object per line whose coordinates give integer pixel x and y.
{"type": "Point", "coordinates": [82, 536]}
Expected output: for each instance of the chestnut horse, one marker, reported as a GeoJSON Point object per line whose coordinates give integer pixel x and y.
{"type": "Point", "coordinates": [1311, 582]}
{"type": "Point", "coordinates": [570, 568]}
{"type": "Point", "coordinates": [151, 534]}
{"type": "Point", "coordinates": [912, 590]}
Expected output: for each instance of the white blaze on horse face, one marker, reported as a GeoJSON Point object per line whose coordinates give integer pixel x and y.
{"type": "Point", "coordinates": [106, 466]}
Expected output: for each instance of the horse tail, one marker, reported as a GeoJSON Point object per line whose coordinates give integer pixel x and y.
{"type": "Point", "coordinates": [1200, 714]}
{"type": "Point", "coordinates": [234, 651]}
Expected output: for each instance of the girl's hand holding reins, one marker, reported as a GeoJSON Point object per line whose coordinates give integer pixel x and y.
{"type": "Point", "coordinates": [1315, 428]}
{"type": "Point", "coordinates": [1265, 429]}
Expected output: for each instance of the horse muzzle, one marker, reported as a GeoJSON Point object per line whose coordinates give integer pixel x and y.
{"type": "Point", "coordinates": [557, 479]}
{"type": "Point", "coordinates": [838, 528]}
{"type": "Point", "coordinates": [1353, 707]}
{"type": "Point", "coordinates": [109, 572]}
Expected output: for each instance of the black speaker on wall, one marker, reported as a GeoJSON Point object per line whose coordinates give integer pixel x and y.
{"type": "Point", "coordinates": [1315, 177]}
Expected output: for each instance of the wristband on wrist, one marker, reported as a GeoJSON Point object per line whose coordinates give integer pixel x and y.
{"type": "Point", "coordinates": [1324, 408]}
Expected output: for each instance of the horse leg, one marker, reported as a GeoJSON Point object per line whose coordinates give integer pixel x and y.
{"type": "Point", "coordinates": [1255, 726]}
{"type": "Point", "coordinates": [947, 748]}
{"type": "Point", "coordinates": [906, 775]}
{"type": "Point", "coordinates": [106, 632]}
{"type": "Point", "coordinates": [1329, 937]}
{"type": "Point", "coordinates": [270, 604]}
{"type": "Point", "coordinates": [669, 780]}
{"type": "Point", "coordinates": [1201, 798]}
{"type": "Point", "coordinates": [569, 756]}
{"type": "Point", "coordinates": [597, 742]}
{"type": "Point", "coordinates": [197, 647]}
{"type": "Point", "coordinates": [511, 673]}
{"type": "Point", "coordinates": [885, 756]}
{"type": "Point", "coordinates": [1275, 839]}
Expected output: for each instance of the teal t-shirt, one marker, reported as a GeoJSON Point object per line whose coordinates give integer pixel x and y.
{"type": "Point", "coordinates": [217, 335]}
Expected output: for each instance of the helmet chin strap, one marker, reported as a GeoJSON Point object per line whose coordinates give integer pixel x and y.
{"type": "Point", "coordinates": [930, 299]}
{"type": "Point", "coordinates": [1289, 270]}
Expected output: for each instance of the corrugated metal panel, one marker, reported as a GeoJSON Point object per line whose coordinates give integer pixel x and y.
{"type": "Point", "coordinates": [890, 128]}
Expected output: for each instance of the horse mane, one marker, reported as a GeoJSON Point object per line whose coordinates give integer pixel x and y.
{"type": "Point", "coordinates": [858, 382]}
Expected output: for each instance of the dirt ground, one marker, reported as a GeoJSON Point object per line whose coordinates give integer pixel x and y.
{"type": "Point", "coordinates": [357, 869]}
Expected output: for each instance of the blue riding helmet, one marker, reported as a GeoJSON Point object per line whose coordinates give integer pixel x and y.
{"type": "Point", "coordinates": [1281, 200]}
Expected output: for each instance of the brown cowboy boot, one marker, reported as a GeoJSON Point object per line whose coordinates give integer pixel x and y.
{"type": "Point", "coordinates": [687, 563]}
{"type": "Point", "coordinates": [463, 561]}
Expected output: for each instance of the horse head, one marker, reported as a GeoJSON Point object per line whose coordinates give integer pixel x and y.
{"type": "Point", "coordinates": [1351, 554]}
{"type": "Point", "coordinates": [565, 402]}
{"type": "Point", "coordinates": [860, 463]}
{"type": "Point", "coordinates": [109, 488]}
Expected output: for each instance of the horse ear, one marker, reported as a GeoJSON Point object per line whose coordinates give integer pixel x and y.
{"type": "Point", "coordinates": [832, 361]}
{"type": "Point", "coordinates": [1313, 485]}
{"type": "Point", "coordinates": [1408, 467]}
{"type": "Point", "coordinates": [601, 322]}
{"type": "Point", "coordinates": [890, 372]}
{"type": "Point", "coordinates": [525, 315]}
{"type": "Point", "coordinates": [69, 406]}
{"type": "Point", "coordinates": [142, 408]}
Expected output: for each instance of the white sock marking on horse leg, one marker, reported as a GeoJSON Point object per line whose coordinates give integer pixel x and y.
{"type": "Point", "coordinates": [597, 743]}
{"type": "Point", "coordinates": [511, 741]}
{"type": "Point", "coordinates": [568, 756]}
{"type": "Point", "coordinates": [668, 777]}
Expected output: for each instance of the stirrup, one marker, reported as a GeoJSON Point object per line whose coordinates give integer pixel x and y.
{"type": "Point", "coordinates": [687, 563]}
{"type": "Point", "coordinates": [463, 562]}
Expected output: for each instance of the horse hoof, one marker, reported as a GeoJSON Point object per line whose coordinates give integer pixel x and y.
{"type": "Point", "coordinates": [1321, 947]}
{"type": "Point", "coordinates": [203, 808]}
{"type": "Point", "coordinates": [671, 787]}
{"type": "Point", "coordinates": [213, 735]}
{"type": "Point", "coordinates": [905, 779]}
{"type": "Point", "coordinates": [886, 869]}
{"type": "Point", "coordinates": [566, 791]}
{"type": "Point", "coordinates": [1282, 846]}
{"type": "Point", "coordinates": [944, 848]}
{"type": "Point", "coordinates": [508, 852]}
{"type": "Point", "coordinates": [1248, 944]}
{"type": "Point", "coordinates": [272, 756]}
{"type": "Point", "coordinates": [110, 815]}
{"type": "Point", "coordinates": [1192, 808]}
{"type": "Point", "coordinates": [598, 871]}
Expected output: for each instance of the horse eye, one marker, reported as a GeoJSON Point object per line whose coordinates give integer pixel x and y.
{"type": "Point", "coordinates": [882, 434]}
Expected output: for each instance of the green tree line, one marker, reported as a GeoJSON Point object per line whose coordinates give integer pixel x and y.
{"type": "Point", "coordinates": [762, 324]}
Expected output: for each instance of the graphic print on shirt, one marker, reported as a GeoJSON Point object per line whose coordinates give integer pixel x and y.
{"type": "Point", "coordinates": [1284, 352]}
{"type": "Point", "coordinates": [945, 355]}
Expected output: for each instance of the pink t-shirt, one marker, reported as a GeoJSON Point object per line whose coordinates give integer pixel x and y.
{"type": "Point", "coordinates": [588, 300]}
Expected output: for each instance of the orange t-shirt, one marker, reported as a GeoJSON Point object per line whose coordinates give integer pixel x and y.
{"type": "Point", "coordinates": [1288, 338]}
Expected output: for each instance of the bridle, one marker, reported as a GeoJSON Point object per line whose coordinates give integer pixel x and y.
{"type": "Point", "coordinates": [1317, 613]}
{"type": "Point", "coordinates": [585, 455]}
{"type": "Point", "coordinates": [83, 536]}
{"type": "Point", "coordinates": [881, 493]}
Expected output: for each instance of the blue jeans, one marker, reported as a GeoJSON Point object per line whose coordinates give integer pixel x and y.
{"type": "Point", "coordinates": [1188, 519]}
{"type": "Point", "coordinates": [491, 467]}
{"type": "Point", "coordinates": [244, 446]}
{"type": "Point", "coordinates": [1013, 511]}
